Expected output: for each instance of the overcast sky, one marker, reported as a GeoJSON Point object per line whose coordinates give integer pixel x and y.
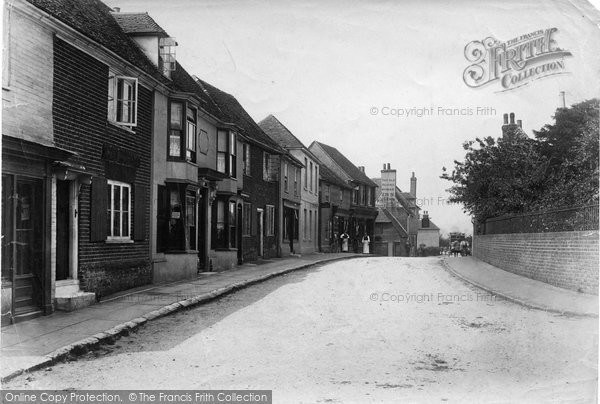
{"type": "Point", "coordinates": [323, 67]}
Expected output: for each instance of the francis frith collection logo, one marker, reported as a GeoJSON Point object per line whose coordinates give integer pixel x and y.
{"type": "Point", "coordinates": [516, 62]}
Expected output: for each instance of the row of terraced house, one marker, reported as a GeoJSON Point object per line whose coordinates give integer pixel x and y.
{"type": "Point", "coordinates": [120, 169]}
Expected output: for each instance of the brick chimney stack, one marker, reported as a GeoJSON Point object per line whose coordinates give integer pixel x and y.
{"type": "Point", "coordinates": [512, 129]}
{"type": "Point", "coordinates": [425, 220]}
{"type": "Point", "coordinates": [388, 185]}
{"type": "Point", "coordinates": [413, 185]}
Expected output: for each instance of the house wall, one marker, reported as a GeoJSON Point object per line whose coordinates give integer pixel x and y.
{"type": "Point", "coordinates": [328, 161]}
{"type": "Point", "coordinates": [431, 238]}
{"type": "Point", "coordinates": [288, 195]}
{"type": "Point", "coordinates": [27, 83]}
{"type": "Point", "coordinates": [261, 193]}
{"type": "Point", "coordinates": [325, 211]}
{"type": "Point", "coordinates": [27, 80]}
{"type": "Point", "coordinates": [565, 259]}
{"type": "Point", "coordinates": [309, 202]}
{"type": "Point", "coordinates": [80, 124]}
{"type": "Point", "coordinates": [387, 241]}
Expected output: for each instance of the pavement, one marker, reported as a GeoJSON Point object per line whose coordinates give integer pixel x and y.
{"type": "Point", "coordinates": [522, 290]}
{"type": "Point", "coordinates": [43, 341]}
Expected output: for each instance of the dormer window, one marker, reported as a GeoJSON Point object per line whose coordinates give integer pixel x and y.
{"type": "Point", "coordinates": [166, 53]}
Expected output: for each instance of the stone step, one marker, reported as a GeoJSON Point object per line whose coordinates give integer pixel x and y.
{"type": "Point", "coordinates": [75, 301]}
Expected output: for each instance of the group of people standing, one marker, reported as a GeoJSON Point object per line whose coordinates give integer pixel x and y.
{"type": "Point", "coordinates": [459, 247]}
{"type": "Point", "coordinates": [345, 242]}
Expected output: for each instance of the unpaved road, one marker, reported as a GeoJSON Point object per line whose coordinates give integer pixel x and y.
{"type": "Point", "coordinates": [365, 330]}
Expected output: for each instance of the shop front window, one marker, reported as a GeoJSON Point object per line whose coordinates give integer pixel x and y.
{"type": "Point", "coordinates": [176, 218]}
{"type": "Point", "coordinates": [224, 225]}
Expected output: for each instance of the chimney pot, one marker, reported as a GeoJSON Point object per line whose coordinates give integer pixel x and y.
{"type": "Point", "coordinates": [384, 166]}
{"type": "Point", "coordinates": [512, 117]}
{"type": "Point", "coordinates": [520, 123]}
{"type": "Point", "coordinates": [506, 119]}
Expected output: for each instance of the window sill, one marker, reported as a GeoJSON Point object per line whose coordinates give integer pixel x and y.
{"type": "Point", "coordinates": [123, 127]}
{"type": "Point", "coordinates": [119, 241]}
{"type": "Point", "coordinates": [225, 249]}
{"type": "Point", "coordinates": [174, 159]}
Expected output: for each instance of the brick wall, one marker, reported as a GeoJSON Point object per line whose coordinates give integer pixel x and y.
{"type": "Point", "coordinates": [565, 259]}
{"type": "Point", "coordinates": [80, 123]}
{"type": "Point", "coordinates": [261, 193]}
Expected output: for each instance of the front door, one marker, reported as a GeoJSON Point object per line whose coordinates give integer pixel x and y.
{"type": "Point", "coordinates": [63, 233]}
{"type": "Point", "coordinates": [22, 241]}
{"type": "Point", "coordinates": [260, 235]}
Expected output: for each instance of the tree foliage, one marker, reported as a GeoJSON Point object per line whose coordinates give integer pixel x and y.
{"type": "Point", "coordinates": [517, 174]}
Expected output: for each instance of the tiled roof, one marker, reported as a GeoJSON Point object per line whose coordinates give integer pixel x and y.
{"type": "Point", "coordinates": [279, 133]}
{"type": "Point", "coordinates": [183, 81]}
{"type": "Point", "coordinates": [432, 226]}
{"type": "Point", "coordinates": [230, 111]}
{"type": "Point", "coordinates": [331, 177]}
{"type": "Point", "coordinates": [381, 217]}
{"type": "Point", "coordinates": [346, 165]}
{"type": "Point", "coordinates": [93, 19]}
{"type": "Point", "coordinates": [394, 221]}
{"type": "Point", "coordinates": [138, 23]}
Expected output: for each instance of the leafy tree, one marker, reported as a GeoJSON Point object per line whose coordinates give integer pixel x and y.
{"type": "Point", "coordinates": [571, 146]}
{"type": "Point", "coordinates": [516, 174]}
{"type": "Point", "coordinates": [497, 177]}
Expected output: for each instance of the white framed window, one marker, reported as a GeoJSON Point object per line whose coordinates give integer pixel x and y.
{"type": "Point", "coordinates": [227, 152]}
{"type": "Point", "coordinates": [270, 220]}
{"type": "Point", "coordinates": [119, 210]}
{"type": "Point", "coordinates": [246, 158]}
{"type": "Point", "coordinates": [122, 100]}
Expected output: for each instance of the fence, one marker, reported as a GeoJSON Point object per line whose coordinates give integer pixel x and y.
{"type": "Point", "coordinates": [568, 219]}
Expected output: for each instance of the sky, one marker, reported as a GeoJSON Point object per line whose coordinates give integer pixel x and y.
{"type": "Point", "coordinates": [335, 71]}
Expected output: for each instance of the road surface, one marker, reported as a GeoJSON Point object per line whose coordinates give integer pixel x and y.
{"type": "Point", "coordinates": [363, 330]}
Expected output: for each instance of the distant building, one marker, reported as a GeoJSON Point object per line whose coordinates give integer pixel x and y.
{"type": "Point", "coordinates": [362, 213]}
{"type": "Point", "coordinates": [428, 233]}
{"type": "Point", "coordinates": [334, 209]}
{"type": "Point", "coordinates": [309, 190]}
{"type": "Point", "coordinates": [399, 231]}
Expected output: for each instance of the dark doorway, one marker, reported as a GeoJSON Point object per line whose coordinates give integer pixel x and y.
{"type": "Point", "coordinates": [24, 240]}
{"type": "Point", "coordinates": [202, 226]}
{"type": "Point", "coordinates": [240, 250]}
{"type": "Point", "coordinates": [260, 232]}
{"type": "Point", "coordinates": [63, 230]}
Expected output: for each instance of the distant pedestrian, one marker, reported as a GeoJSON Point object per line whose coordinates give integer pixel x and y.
{"type": "Point", "coordinates": [463, 248]}
{"type": "Point", "coordinates": [455, 249]}
{"type": "Point", "coordinates": [365, 242]}
{"type": "Point", "coordinates": [344, 237]}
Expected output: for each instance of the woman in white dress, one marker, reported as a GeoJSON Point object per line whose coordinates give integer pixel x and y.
{"type": "Point", "coordinates": [365, 243]}
{"type": "Point", "coordinates": [344, 238]}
